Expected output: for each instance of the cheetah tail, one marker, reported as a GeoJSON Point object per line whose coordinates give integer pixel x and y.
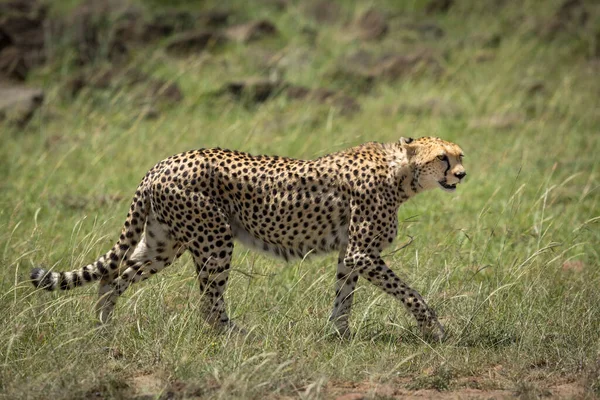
{"type": "Point", "coordinates": [109, 263]}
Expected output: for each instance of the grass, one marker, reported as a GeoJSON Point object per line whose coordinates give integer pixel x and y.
{"type": "Point", "coordinates": [510, 262]}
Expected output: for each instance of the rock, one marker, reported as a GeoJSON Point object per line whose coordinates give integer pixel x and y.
{"type": "Point", "coordinates": [427, 30]}
{"type": "Point", "coordinates": [214, 18]}
{"type": "Point", "coordinates": [149, 112]}
{"type": "Point", "coordinates": [484, 56]}
{"type": "Point", "coordinates": [493, 42]}
{"type": "Point", "coordinates": [167, 23]}
{"type": "Point", "coordinates": [323, 11]}
{"type": "Point", "coordinates": [373, 25]}
{"type": "Point", "coordinates": [19, 103]}
{"type": "Point", "coordinates": [127, 31]}
{"type": "Point", "coordinates": [297, 92]}
{"type": "Point", "coordinates": [158, 89]}
{"type": "Point", "coordinates": [362, 70]}
{"type": "Point", "coordinates": [165, 91]}
{"type": "Point", "coordinates": [573, 11]}
{"type": "Point", "coordinates": [156, 30]}
{"type": "Point", "coordinates": [394, 66]}
{"type": "Point", "coordinates": [20, 6]}
{"type": "Point", "coordinates": [255, 90]}
{"type": "Point", "coordinates": [74, 85]}
{"type": "Point", "coordinates": [118, 51]}
{"type": "Point", "coordinates": [13, 64]}
{"type": "Point", "coordinates": [533, 87]}
{"type": "Point", "coordinates": [438, 6]}
{"type": "Point", "coordinates": [194, 42]}
{"type": "Point", "coordinates": [21, 37]}
{"type": "Point", "coordinates": [23, 30]}
{"type": "Point", "coordinates": [178, 20]}
{"type": "Point", "coordinates": [347, 105]}
{"type": "Point", "coordinates": [322, 94]}
{"type": "Point", "coordinates": [132, 28]}
{"type": "Point", "coordinates": [5, 40]}
{"type": "Point", "coordinates": [251, 31]}
{"type": "Point", "coordinates": [571, 14]}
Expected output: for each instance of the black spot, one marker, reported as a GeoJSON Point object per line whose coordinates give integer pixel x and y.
{"type": "Point", "coordinates": [87, 276]}
{"type": "Point", "coordinates": [76, 280]}
{"type": "Point", "coordinates": [100, 267]}
{"type": "Point", "coordinates": [63, 281]}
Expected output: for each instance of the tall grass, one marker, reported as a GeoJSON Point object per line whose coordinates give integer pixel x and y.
{"type": "Point", "coordinates": [510, 262]}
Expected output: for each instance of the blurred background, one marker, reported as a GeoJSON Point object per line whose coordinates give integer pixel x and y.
{"type": "Point", "coordinates": [94, 93]}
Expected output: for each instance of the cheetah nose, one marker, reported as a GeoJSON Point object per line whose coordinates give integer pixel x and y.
{"type": "Point", "coordinates": [460, 175]}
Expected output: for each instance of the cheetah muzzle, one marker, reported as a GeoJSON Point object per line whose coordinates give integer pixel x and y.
{"type": "Point", "coordinates": [447, 187]}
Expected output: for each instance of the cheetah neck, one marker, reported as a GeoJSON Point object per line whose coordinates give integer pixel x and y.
{"type": "Point", "coordinates": [402, 174]}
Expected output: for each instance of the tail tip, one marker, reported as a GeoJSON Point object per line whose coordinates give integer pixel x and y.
{"type": "Point", "coordinates": [40, 278]}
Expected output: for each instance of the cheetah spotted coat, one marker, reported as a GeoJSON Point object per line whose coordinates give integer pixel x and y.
{"type": "Point", "coordinates": [202, 200]}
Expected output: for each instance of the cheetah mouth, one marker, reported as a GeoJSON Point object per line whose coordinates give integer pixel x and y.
{"type": "Point", "coordinates": [447, 187]}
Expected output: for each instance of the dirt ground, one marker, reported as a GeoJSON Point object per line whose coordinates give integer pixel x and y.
{"type": "Point", "coordinates": [150, 386]}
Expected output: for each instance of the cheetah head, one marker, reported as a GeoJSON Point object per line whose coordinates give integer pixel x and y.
{"type": "Point", "coordinates": [436, 163]}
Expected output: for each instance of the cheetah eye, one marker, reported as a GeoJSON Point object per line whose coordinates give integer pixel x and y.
{"type": "Point", "coordinates": [443, 157]}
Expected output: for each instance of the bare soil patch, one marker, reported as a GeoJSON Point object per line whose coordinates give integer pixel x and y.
{"type": "Point", "coordinates": [367, 390]}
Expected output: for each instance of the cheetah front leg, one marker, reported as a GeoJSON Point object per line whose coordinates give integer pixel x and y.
{"type": "Point", "coordinates": [373, 268]}
{"type": "Point", "coordinates": [213, 263]}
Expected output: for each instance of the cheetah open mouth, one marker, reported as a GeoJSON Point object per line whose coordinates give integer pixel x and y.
{"type": "Point", "coordinates": [447, 187]}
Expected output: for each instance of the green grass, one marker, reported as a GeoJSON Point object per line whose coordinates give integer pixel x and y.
{"type": "Point", "coordinates": [510, 262]}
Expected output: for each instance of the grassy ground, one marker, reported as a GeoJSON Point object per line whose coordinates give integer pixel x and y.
{"type": "Point", "coordinates": [510, 262]}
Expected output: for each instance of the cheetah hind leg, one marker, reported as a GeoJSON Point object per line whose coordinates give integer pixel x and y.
{"type": "Point", "coordinates": [155, 252]}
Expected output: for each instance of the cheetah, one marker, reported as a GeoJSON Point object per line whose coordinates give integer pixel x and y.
{"type": "Point", "coordinates": [203, 200]}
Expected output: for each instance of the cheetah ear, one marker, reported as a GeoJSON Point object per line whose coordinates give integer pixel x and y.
{"type": "Point", "coordinates": [409, 145]}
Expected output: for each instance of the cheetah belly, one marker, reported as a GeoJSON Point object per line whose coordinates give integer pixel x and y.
{"type": "Point", "coordinates": [288, 248]}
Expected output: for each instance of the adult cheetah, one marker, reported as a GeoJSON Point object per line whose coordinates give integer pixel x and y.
{"type": "Point", "coordinates": [202, 200]}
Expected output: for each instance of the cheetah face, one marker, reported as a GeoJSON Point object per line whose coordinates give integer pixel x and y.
{"type": "Point", "coordinates": [437, 163]}
{"type": "Point", "coordinates": [453, 173]}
